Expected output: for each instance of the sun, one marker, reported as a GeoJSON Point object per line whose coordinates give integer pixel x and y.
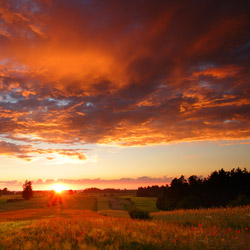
{"type": "Point", "coordinates": [58, 188]}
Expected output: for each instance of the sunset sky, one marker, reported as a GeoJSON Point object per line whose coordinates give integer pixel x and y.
{"type": "Point", "coordinates": [122, 93]}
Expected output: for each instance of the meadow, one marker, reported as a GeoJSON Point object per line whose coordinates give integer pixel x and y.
{"type": "Point", "coordinates": [89, 222]}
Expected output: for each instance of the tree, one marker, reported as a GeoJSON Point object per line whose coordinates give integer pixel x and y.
{"type": "Point", "coordinates": [27, 190]}
{"type": "Point", "coordinates": [70, 192]}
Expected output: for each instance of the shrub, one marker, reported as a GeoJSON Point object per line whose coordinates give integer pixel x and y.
{"type": "Point", "coordinates": [136, 213]}
{"type": "Point", "coordinates": [14, 200]}
{"type": "Point", "coordinates": [70, 192]}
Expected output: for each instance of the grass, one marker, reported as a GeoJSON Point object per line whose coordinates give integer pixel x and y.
{"type": "Point", "coordinates": [76, 224]}
{"type": "Point", "coordinates": [115, 213]}
{"type": "Point", "coordinates": [89, 230]}
{"type": "Point", "coordinates": [80, 201]}
{"type": "Point", "coordinates": [102, 203]}
{"type": "Point", "coordinates": [4, 198]}
{"type": "Point", "coordinates": [147, 204]}
{"type": "Point", "coordinates": [76, 201]}
{"type": "Point", "coordinates": [36, 202]}
{"type": "Point", "coordinates": [236, 218]}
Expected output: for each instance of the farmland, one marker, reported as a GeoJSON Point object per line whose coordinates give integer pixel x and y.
{"type": "Point", "coordinates": [88, 222]}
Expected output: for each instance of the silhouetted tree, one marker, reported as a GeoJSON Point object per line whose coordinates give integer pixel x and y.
{"type": "Point", "coordinates": [27, 190]}
{"type": "Point", "coordinates": [153, 191]}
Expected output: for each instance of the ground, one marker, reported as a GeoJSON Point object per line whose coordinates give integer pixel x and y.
{"type": "Point", "coordinates": [101, 222]}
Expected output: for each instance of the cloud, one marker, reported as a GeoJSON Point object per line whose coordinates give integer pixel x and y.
{"type": "Point", "coordinates": [27, 152]}
{"type": "Point", "coordinates": [144, 180]}
{"type": "Point", "coordinates": [123, 73]}
{"type": "Point", "coordinates": [13, 149]}
{"type": "Point", "coordinates": [130, 183]}
{"type": "Point", "coordinates": [11, 183]}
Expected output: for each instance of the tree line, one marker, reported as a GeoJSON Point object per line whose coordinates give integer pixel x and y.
{"type": "Point", "coordinates": [95, 190]}
{"type": "Point", "coordinates": [5, 191]}
{"type": "Point", "coordinates": [220, 188]}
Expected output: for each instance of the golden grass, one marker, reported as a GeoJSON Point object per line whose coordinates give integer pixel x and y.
{"type": "Point", "coordinates": [237, 217]}
{"type": "Point", "coordinates": [115, 213]}
{"type": "Point", "coordinates": [113, 233]}
{"type": "Point", "coordinates": [61, 227]}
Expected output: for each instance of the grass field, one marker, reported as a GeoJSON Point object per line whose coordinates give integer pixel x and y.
{"type": "Point", "coordinates": [102, 203]}
{"type": "Point", "coordinates": [145, 203]}
{"type": "Point", "coordinates": [77, 201]}
{"type": "Point", "coordinates": [83, 222]}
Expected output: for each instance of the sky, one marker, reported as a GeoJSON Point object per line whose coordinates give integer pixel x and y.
{"type": "Point", "coordinates": [122, 94]}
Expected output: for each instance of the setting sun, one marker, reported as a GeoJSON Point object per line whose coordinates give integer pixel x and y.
{"type": "Point", "coordinates": [59, 188]}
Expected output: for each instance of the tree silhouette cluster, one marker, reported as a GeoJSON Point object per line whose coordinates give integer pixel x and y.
{"type": "Point", "coordinates": [220, 188]}
{"type": "Point", "coordinates": [153, 191]}
{"type": "Point", "coordinates": [94, 190]}
{"type": "Point", "coordinates": [5, 191]}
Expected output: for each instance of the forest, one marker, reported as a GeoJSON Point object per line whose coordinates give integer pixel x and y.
{"type": "Point", "coordinates": [221, 188]}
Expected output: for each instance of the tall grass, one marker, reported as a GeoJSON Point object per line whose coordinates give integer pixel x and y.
{"type": "Point", "coordinates": [82, 229]}
{"type": "Point", "coordinates": [237, 217]}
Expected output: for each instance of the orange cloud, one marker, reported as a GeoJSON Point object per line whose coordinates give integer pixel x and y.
{"type": "Point", "coordinates": [220, 73]}
{"type": "Point", "coordinates": [27, 152]}
{"type": "Point", "coordinates": [121, 73]}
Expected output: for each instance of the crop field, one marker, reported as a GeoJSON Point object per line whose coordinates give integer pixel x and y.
{"type": "Point", "coordinates": [87, 222]}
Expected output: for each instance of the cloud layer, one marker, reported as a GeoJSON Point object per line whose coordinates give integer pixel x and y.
{"type": "Point", "coordinates": [27, 152]}
{"type": "Point", "coordinates": [80, 184]}
{"type": "Point", "coordinates": [122, 72]}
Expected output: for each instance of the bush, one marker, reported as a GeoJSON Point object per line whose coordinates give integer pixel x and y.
{"type": "Point", "coordinates": [70, 192]}
{"type": "Point", "coordinates": [136, 213]}
{"type": "Point", "coordinates": [14, 200]}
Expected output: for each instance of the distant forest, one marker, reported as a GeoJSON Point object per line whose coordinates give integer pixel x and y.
{"type": "Point", "coordinates": [220, 188]}
{"type": "Point", "coordinates": [94, 190]}
{"type": "Point", "coordinates": [5, 191]}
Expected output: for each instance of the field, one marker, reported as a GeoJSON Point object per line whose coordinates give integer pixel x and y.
{"type": "Point", "coordinates": [89, 222]}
